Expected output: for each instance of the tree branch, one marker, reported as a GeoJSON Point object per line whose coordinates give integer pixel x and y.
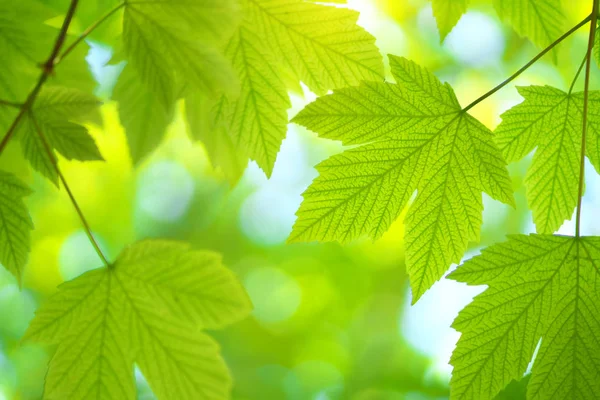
{"type": "Point", "coordinates": [586, 90]}
{"type": "Point", "coordinates": [10, 104]}
{"type": "Point", "coordinates": [87, 32]}
{"type": "Point", "coordinates": [583, 62]}
{"type": "Point", "coordinates": [529, 64]}
{"type": "Point", "coordinates": [47, 69]}
{"type": "Point", "coordinates": [25, 109]}
{"type": "Point", "coordinates": [54, 162]}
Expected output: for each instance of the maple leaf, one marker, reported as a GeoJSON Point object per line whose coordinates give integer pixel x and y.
{"type": "Point", "coordinates": [549, 120]}
{"type": "Point", "coordinates": [142, 115]}
{"type": "Point", "coordinates": [447, 13]}
{"type": "Point", "coordinates": [320, 45]}
{"type": "Point", "coordinates": [206, 123]}
{"type": "Point", "coordinates": [414, 136]}
{"type": "Point", "coordinates": [178, 41]}
{"type": "Point", "coordinates": [15, 224]}
{"type": "Point", "coordinates": [539, 20]}
{"type": "Point", "coordinates": [539, 287]}
{"type": "Point", "coordinates": [146, 309]}
{"type": "Point", "coordinates": [54, 114]}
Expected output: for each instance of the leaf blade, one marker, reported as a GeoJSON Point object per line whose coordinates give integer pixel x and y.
{"type": "Point", "coordinates": [413, 136]}
{"type": "Point", "coordinates": [142, 115]}
{"type": "Point", "coordinates": [447, 13]}
{"type": "Point", "coordinates": [15, 224]}
{"type": "Point", "coordinates": [539, 20]}
{"type": "Point", "coordinates": [539, 286]}
{"type": "Point", "coordinates": [131, 312]}
{"type": "Point", "coordinates": [549, 120]}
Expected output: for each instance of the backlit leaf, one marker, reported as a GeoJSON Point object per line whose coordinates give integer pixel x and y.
{"type": "Point", "coordinates": [550, 121]}
{"type": "Point", "coordinates": [165, 44]}
{"type": "Point", "coordinates": [447, 13]}
{"type": "Point", "coordinates": [415, 137]}
{"type": "Point", "coordinates": [142, 116]}
{"type": "Point", "coordinates": [282, 41]}
{"type": "Point", "coordinates": [15, 224]}
{"type": "Point", "coordinates": [539, 287]}
{"type": "Point", "coordinates": [539, 20]}
{"type": "Point", "coordinates": [146, 309]}
{"type": "Point", "coordinates": [54, 113]}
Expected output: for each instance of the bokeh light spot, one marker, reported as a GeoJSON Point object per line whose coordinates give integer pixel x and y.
{"type": "Point", "coordinates": [476, 40]}
{"type": "Point", "coordinates": [313, 379]}
{"type": "Point", "coordinates": [17, 310]}
{"type": "Point", "coordinates": [267, 216]}
{"type": "Point", "coordinates": [77, 255]}
{"type": "Point", "coordinates": [8, 376]}
{"type": "Point", "coordinates": [143, 388]}
{"type": "Point", "coordinates": [426, 324]}
{"type": "Point", "coordinates": [276, 296]}
{"type": "Point", "coordinates": [165, 191]}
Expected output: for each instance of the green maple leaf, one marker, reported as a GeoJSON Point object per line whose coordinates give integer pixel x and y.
{"type": "Point", "coordinates": [15, 224]}
{"type": "Point", "coordinates": [169, 46]}
{"type": "Point", "coordinates": [539, 20]}
{"type": "Point", "coordinates": [142, 115]}
{"type": "Point", "coordinates": [146, 309]}
{"type": "Point", "coordinates": [414, 136]}
{"type": "Point", "coordinates": [206, 123]}
{"type": "Point", "coordinates": [447, 13]}
{"type": "Point", "coordinates": [539, 287]}
{"type": "Point", "coordinates": [317, 44]}
{"type": "Point", "coordinates": [550, 121]}
{"type": "Point", "coordinates": [321, 45]}
{"type": "Point", "coordinates": [257, 120]}
{"type": "Point", "coordinates": [177, 41]}
{"type": "Point", "coordinates": [54, 113]}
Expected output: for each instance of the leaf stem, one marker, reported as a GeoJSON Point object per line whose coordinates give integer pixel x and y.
{"type": "Point", "coordinates": [530, 63]}
{"type": "Point", "coordinates": [87, 32]}
{"type": "Point", "coordinates": [586, 93]}
{"type": "Point", "coordinates": [47, 69]}
{"type": "Point", "coordinates": [577, 74]}
{"type": "Point", "coordinates": [25, 109]}
{"type": "Point", "coordinates": [10, 104]}
{"type": "Point", "coordinates": [54, 162]}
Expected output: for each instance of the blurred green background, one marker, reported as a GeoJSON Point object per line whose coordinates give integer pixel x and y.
{"type": "Point", "coordinates": [329, 322]}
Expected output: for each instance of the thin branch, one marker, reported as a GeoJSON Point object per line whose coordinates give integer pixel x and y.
{"type": "Point", "coordinates": [87, 32]}
{"type": "Point", "coordinates": [586, 90]}
{"type": "Point", "coordinates": [47, 69]}
{"type": "Point", "coordinates": [61, 36]}
{"type": "Point", "coordinates": [24, 109]}
{"type": "Point", "coordinates": [10, 104]}
{"type": "Point", "coordinates": [577, 73]}
{"type": "Point", "coordinates": [54, 162]}
{"type": "Point", "coordinates": [529, 64]}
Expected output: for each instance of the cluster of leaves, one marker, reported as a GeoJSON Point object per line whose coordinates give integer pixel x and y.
{"type": "Point", "coordinates": [232, 64]}
{"type": "Point", "coordinates": [413, 136]}
{"type": "Point", "coordinates": [539, 20]}
{"type": "Point", "coordinates": [149, 306]}
{"type": "Point", "coordinates": [236, 100]}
